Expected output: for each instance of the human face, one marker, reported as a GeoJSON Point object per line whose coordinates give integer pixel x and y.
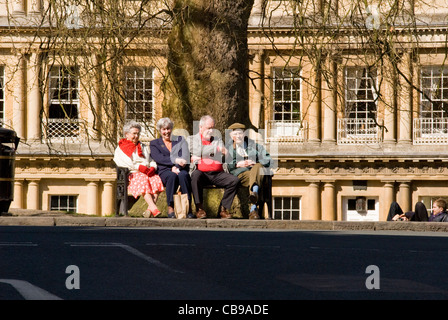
{"type": "Point", "coordinates": [133, 135]}
{"type": "Point", "coordinates": [207, 129]}
{"type": "Point", "coordinates": [166, 133]}
{"type": "Point", "coordinates": [237, 136]}
{"type": "Point", "coordinates": [436, 209]}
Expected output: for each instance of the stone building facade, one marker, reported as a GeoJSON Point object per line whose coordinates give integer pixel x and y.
{"type": "Point", "coordinates": [349, 137]}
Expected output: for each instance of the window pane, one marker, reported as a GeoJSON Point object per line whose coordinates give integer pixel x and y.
{"type": "Point", "coordinates": [434, 92]}
{"type": "Point", "coordinates": [360, 93]}
{"type": "Point", "coordinates": [63, 203]}
{"type": "Point", "coordinates": [286, 94]}
{"type": "Point", "coordinates": [139, 93]}
{"type": "Point", "coordinates": [286, 208]}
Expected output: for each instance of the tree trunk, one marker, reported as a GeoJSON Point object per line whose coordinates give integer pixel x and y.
{"type": "Point", "coordinates": [207, 63]}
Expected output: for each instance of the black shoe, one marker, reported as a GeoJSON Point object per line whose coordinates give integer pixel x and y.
{"type": "Point", "coordinates": [191, 216]}
{"type": "Point", "coordinates": [172, 215]}
{"type": "Point", "coordinates": [253, 197]}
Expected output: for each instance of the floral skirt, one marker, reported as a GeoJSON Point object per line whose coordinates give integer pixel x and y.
{"type": "Point", "coordinates": [140, 183]}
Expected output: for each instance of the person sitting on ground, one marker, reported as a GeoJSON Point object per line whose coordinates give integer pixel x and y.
{"type": "Point", "coordinates": [438, 214]}
{"type": "Point", "coordinates": [207, 168]}
{"type": "Point", "coordinates": [143, 180]}
{"type": "Point", "coordinates": [397, 214]}
{"type": "Point", "coordinates": [172, 157]}
{"type": "Point", "coordinates": [250, 162]}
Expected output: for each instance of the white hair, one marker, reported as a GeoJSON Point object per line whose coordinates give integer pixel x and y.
{"type": "Point", "coordinates": [131, 124]}
{"type": "Point", "coordinates": [164, 123]}
{"type": "Point", "coordinates": [204, 119]}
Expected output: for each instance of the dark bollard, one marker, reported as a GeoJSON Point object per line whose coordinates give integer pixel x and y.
{"type": "Point", "coordinates": [8, 146]}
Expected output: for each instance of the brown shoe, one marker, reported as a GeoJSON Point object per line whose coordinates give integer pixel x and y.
{"type": "Point", "coordinates": [225, 214]}
{"type": "Point", "coordinates": [201, 214]}
{"type": "Point", "coordinates": [254, 215]}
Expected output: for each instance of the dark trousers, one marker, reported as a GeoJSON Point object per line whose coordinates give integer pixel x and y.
{"type": "Point", "coordinates": [420, 213]}
{"type": "Point", "coordinates": [220, 179]}
{"type": "Point", "coordinates": [171, 181]}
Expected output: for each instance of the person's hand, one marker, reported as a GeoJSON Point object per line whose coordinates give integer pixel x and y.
{"type": "Point", "coordinates": [181, 162]}
{"type": "Point", "coordinates": [148, 171]}
{"type": "Point", "coordinates": [241, 164]}
{"type": "Point", "coordinates": [250, 162]}
{"type": "Point", "coordinates": [400, 217]}
{"type": "Point", "coordinates": [223, 150]}
{"type": "Point", "coordinates": [245, 163]}
{"type": "Point", "coordinates": [195, 158]}
{"type": "Point", "coordinates": [175, 170]}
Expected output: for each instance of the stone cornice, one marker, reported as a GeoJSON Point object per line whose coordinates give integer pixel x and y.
{"type": "Point", "coordinates": [65, 168]}
{"type": "Point", "coordinates": [355, 169]}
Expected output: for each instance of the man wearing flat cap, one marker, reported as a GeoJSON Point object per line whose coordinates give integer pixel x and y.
{"type": "Point", "coordinates": [250, 162]}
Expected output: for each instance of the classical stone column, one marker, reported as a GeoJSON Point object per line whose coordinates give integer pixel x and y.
{"type": "Point", "coordinates": [92, 197]}
{"type": "Point", "coordinates": [312, 210]}
{"type": "Point", "coordinates": [256, 87]}
{"type": "Point", "coordinates": [34, 98]}
{"type": "Point", "coordinates": [108, 198]}
{"type": "Point", "coordinates": [94, 121]}
{"type": "Point", "coordinates": [329, 102]}
{"type": "Point", "coordinates": [18, 194]}
{"type": "Point", "coordinates": [388, 198]}
{"type": "Point", "coordinates": [389, 78]}
{"type": "Point", "coordinates": [405, 198]}
{"type": "Point", "coordinates": [33, 196]}
{"type": "Point", "coordinates": [314, 112]}
{"type": "Point", "coordinates": [19, 96]}
{"type": "Point", "coordinates": [405, 100]}
{"type": "Point", "coordinates": [329, 210]}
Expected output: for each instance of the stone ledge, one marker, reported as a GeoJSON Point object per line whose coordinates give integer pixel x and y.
{"type": "Point", "coordinates": [76, 221]}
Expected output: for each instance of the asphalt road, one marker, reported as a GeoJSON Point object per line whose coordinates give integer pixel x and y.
{"type": "Point", "coordinates": [77, 263]}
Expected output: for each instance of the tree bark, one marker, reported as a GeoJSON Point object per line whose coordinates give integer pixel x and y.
{"type": "Point", "coordinates": [207, 63]}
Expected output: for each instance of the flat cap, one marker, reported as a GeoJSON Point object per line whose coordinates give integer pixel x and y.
{"type": "Point", "coordinates": [237, 125]}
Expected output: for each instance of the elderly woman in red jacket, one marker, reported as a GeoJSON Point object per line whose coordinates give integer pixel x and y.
{"type": "Point", "coordinates": [143, 180]}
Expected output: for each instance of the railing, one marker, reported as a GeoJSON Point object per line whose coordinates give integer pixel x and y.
{"type": "Point", "coordinates": [286, 131]}
{"type": "Point", "coordinates": [358, 131]}
{"type": "Point", "coordinates": [62, 128]}
{"type": "Point", "coordinates": [430, 131]}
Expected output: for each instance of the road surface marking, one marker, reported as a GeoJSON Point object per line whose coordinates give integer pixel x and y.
{"type": "Point", "coordinates": [29, 291]}
{"type": "Point", "coordinates": [171, 244]}
{"type": "Point", "coordinates": [252, 246]}
{"type": "Point", "coordinates": [24, 244]}
{"type": "Point", "coordinates": [128, 249]}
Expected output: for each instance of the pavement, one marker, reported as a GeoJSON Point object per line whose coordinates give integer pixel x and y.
{"type": "Point", "coordinates": [24, 217]}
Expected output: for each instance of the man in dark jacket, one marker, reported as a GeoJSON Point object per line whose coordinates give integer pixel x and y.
{"type": "Point", "coordinates": [439, 213]}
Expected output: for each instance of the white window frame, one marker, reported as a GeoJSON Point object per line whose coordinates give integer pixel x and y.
{"type": "Point", "coordinates": [286, 125]}
{"type": "Point", "coordinates": [437, 91]}
{"type": "Point", "coordinates": [282, 207]}
{"type": "Point", "coordinates": [281, 75]}
{"type": "Point", "coordinates": [359, 126]}
{"type": "Point", "coordinates": [143, 95]}
{"type": "Point", "coordinates": [66, 125]}
{"type": "Point", "coordinates": [64, 208]}
{"type": "Point", "coordinates": [360, 212]}
{"type": "Point", "coordinates": [365, 75]}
